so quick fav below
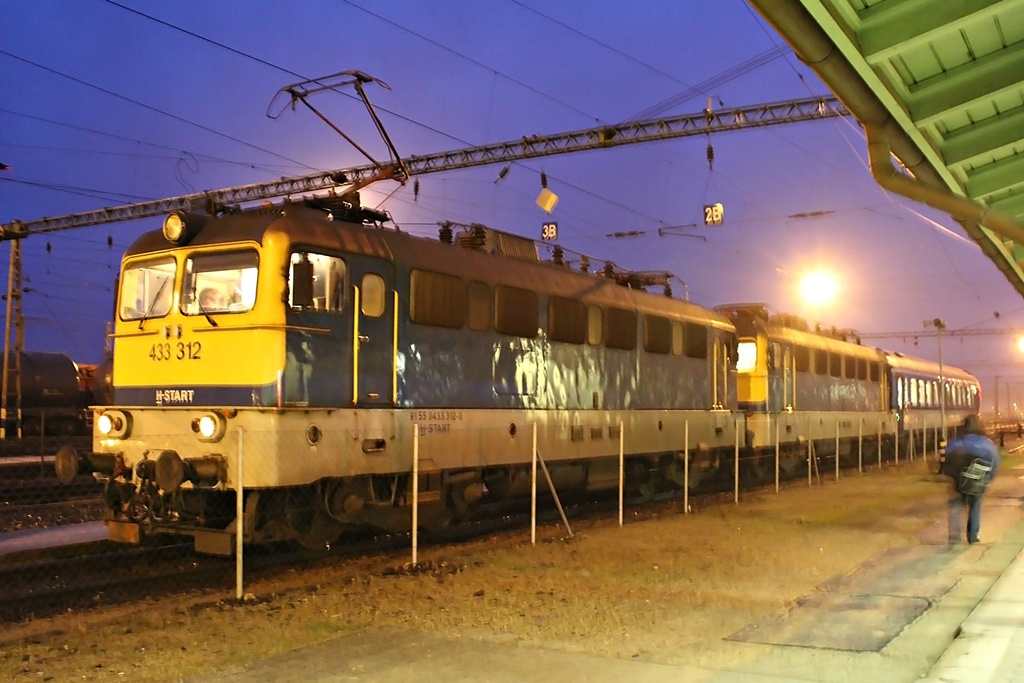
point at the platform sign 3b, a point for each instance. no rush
(549, 231)
(714, 214)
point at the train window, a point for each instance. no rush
(696, 337)
(862, 368)
(595, 325)
(516, 311)
(479, 306)
(567, 320)
(620, 329)
(373, 300)
(747, 356)
(802, 356)
(850, 368)
(912, 399)
(146, 289)
(436, 299)
(775, 356)
(820, 362)
(219, 282)
(657, 334)
(874, 374)
(835, 365)
(317, 282)
(329, 285)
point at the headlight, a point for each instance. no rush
(180, 226)
(115, 424)
(209, 426)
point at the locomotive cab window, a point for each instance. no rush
(802, 356)
(373, 301)
(146, 289)
(317, 282)
(747, 358)
(219, 282)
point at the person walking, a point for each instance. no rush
(970, 460)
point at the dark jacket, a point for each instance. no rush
(964, 450)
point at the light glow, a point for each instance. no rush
(104, 424)
(818, 288)
(207, 426)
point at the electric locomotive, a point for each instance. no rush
(295, 350)
(799, 385)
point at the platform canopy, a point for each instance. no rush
(940, 84)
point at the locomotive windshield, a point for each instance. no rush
(146, 289)
(221, 282)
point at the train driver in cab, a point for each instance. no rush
(212, 299)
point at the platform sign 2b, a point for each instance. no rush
(549, 231)
(714, 214)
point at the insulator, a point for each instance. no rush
(609, 269)
(584, 263)
(110, 241)
(416, 190)
(711, 156)
(445, 233)
(543, 179)
(49, 247)
(557, 256)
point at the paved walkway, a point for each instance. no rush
(990, 646)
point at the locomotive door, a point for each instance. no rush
(720, 372)
(374, 320)
(788, 379)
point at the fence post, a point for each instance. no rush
(239, 518)
(837, 448)
(881, 430)
(533, 490)
(736, 467)
(810, 454)
(777, 456)
(686, 466)
(896, 461)
(860, 445)
(622, 471)
(415, 491)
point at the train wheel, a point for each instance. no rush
(308, 522)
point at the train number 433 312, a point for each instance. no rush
(175, 351)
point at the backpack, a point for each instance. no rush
(974, 478)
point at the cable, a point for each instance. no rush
(471, 60)
(153, 109)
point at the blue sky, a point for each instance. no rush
(109, 103)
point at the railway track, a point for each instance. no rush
(47, 582)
